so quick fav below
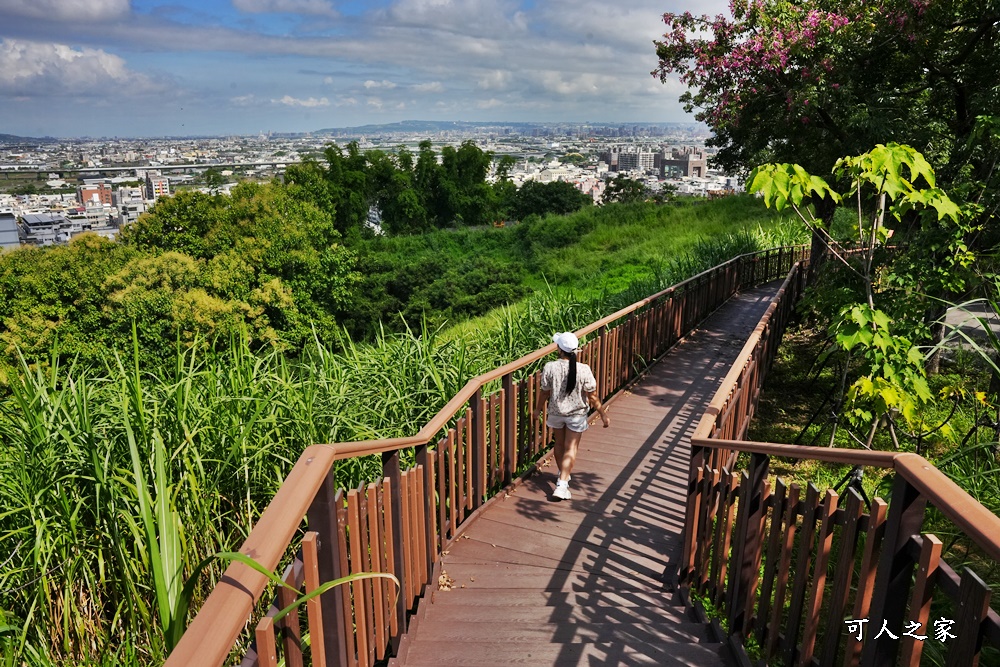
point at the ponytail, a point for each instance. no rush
(571, 377)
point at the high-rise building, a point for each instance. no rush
(156, 185)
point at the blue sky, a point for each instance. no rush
(151, 68)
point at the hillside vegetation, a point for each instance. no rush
(203, 423)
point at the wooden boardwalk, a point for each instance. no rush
(590, 581)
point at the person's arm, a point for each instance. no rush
(595, 403)
(543, 396)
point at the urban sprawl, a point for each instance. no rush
(53, 190)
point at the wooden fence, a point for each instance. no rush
(464, 456)
(807, 577)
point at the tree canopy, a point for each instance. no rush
(811, 80)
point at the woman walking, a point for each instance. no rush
(569, 388)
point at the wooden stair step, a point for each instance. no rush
(602, 613)
(563, 632)
(620, 597)
(484, 654)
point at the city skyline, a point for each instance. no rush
(141, 68)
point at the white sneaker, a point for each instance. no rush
(562, 490)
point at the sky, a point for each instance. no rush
(136, 68)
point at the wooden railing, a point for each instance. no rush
(816, 579)
(468, 452)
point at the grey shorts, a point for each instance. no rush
(575, 423)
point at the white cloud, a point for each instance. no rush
(308, 7)
(347, 102)
(35, 69)
(82, 11)
(244, 100)
(495, 80)
(431, 87)
(480, 18)
(374, 102)
(489, 104)
(379, 84)
(308, 102)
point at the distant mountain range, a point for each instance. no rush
(417, 126)
(14, 139)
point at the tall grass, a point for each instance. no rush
(115, 482)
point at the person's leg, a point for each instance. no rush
(559, 434)
(571, 441)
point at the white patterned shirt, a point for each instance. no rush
(554, 380)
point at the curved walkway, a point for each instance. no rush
(589, 581)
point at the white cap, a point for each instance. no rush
(567, 341)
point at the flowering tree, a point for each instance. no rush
(807, 81)
(811, 80)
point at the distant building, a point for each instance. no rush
(89, 195)
(629, 158)
(156, 186)
(50, 228)
(129, 204)
(9, 235)
(688, 162)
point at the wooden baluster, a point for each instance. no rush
(441, 456)
(314, 608)
(923, 594)
(801, 574)
(973, 607)
(427, 535)
(395, 590)
(478, 457)
(749, 545)
(391, 470)
(842, 578)
(895, 570)
(787, 544)
(453, 483)
(322, 518)
(866, 575)
(729, 502)
(367, 546)
(376, 560)
(289, 628)
(695, 499)
(510, 403)
(267, 650)
(771, 559)
(824, 545)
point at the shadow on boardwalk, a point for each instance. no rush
(591, 581)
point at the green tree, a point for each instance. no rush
(624, 190)
(888, 186)
(559, 197)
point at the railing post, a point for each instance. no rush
(322, 517)
(478, 448)
(510, 428)
(391, 470)
(895, 570)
